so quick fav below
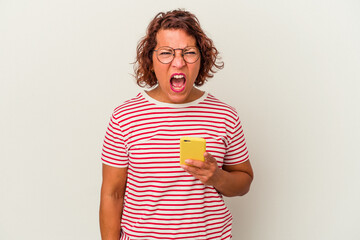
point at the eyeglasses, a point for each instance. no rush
(166, 54)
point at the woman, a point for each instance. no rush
(146, 194)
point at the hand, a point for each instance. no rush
(207, 172)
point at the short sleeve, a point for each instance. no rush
(114, 150)
(236, 151)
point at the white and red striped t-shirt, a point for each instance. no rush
(162, 201)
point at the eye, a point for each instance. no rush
(164, 53)
(190, 51)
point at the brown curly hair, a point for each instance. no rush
(176, 19)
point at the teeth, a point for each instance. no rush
(178, 76)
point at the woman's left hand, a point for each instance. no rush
(207, 172)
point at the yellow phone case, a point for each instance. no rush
(192, 148)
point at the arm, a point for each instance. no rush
(111, 202)
(232, 180)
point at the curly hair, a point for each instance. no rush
(176, 19)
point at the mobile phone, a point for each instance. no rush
(192, 148)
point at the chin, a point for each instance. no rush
(178, 98)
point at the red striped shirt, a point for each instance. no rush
(162, 201)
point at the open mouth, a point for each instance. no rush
(177, 82)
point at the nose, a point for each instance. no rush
(178, 60)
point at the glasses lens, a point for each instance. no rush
(165, 54)
(191, 54)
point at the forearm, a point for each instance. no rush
(111, 207)
(231, 180)
(230, 184)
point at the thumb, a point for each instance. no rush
(208, 157)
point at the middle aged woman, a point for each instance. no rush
(146, 193)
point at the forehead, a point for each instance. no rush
(175, 38)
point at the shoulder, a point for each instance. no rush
(130, 105)
(214, 103)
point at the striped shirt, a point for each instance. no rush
(162, 201)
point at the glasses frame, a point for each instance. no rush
(174, 51)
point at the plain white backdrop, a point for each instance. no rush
(292, 70)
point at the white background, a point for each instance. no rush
(291, 71)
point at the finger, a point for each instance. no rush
(189, 169)
(195, 163)
(195, 171)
